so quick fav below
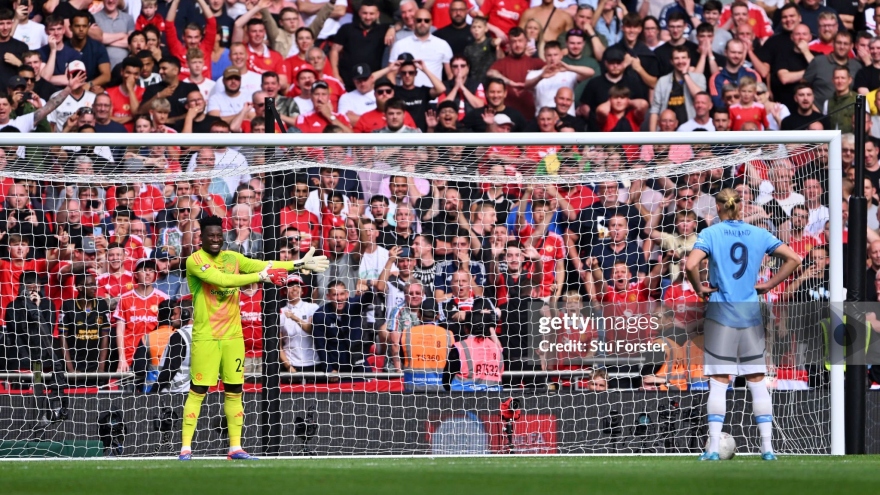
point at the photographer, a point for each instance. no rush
(25, 101)
(175, 361)
(29, 321)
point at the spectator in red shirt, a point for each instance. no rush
(116, 280)
(323, 115)
(512, 70)
(260, 58)
(137, 313)
(331, 214)
(503, 15)
(620, 113)
(126, 97)
(296, 215)
(250, 301)
(194, 36)
(150, 15)
(375, 119)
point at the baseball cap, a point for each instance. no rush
(76, 66)
(145, 263)
(319, 85)
(406, 57)
(429, 309)
(307, 68)
(231, 72)
(16, 82)
(361, 71)
(383, 82)
(502, 119)
(447, 104)
(161, 254)
(614, 55)
(294, 279)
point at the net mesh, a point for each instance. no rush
(557, 242)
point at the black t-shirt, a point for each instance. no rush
(793, 62)
(65, 10)
(664, 56)
(45, 89)
(649, 58)
(14, 47)
(202, 127)
(360, 47)
(592, 223)
(798, 122)
(596, 92)
(867, 77)
(458, 39)
(416, 100)
(112, 127)
(473, 121)
(778, 43)
(676, 101)
(83, 329)
(177, 99)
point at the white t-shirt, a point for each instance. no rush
(296, 343)
(331, 26)
(33, 34)
(227, 105)
(25, 123)
(692, 124)
(305, 105)
(205, 87)
(69, 107)
(818, 217)
(545, 90)
(372, 264)
(251, 82)
(433, 51)
(357, 102)
(227, 160)
(787, 204)
(313, 204)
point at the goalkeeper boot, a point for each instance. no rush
(240, 455)
(185, 455)
(710, 456)
(768, 456)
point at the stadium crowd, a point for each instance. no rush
(94, 272)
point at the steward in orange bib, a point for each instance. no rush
(681, 368)
(476, 363)
(424, 349)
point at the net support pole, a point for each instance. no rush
(855, 382)
(837, 296)
(270, 396)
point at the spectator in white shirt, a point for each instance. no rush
(298, 349)
(228, 103)
(555, 74)
(362, 100)
(422, 45)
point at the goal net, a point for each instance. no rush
(487, 294)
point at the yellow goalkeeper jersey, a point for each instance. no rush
(214, 282)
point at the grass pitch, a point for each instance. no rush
(447, 476)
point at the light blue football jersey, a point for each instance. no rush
(736, 250)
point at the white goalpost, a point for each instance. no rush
(564, 234)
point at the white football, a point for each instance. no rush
(726, 446)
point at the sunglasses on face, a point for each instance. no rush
(408, 72)
(423, 21)
(384, 91)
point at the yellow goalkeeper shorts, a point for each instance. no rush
(211, 359)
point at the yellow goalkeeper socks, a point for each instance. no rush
(191, 410)
(234, 417)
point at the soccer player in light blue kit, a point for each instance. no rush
(734, 329)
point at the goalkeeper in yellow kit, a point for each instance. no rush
(214, 277)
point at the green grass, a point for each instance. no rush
(448, 476)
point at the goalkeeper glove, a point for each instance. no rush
(312, 263)
(277, 276)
